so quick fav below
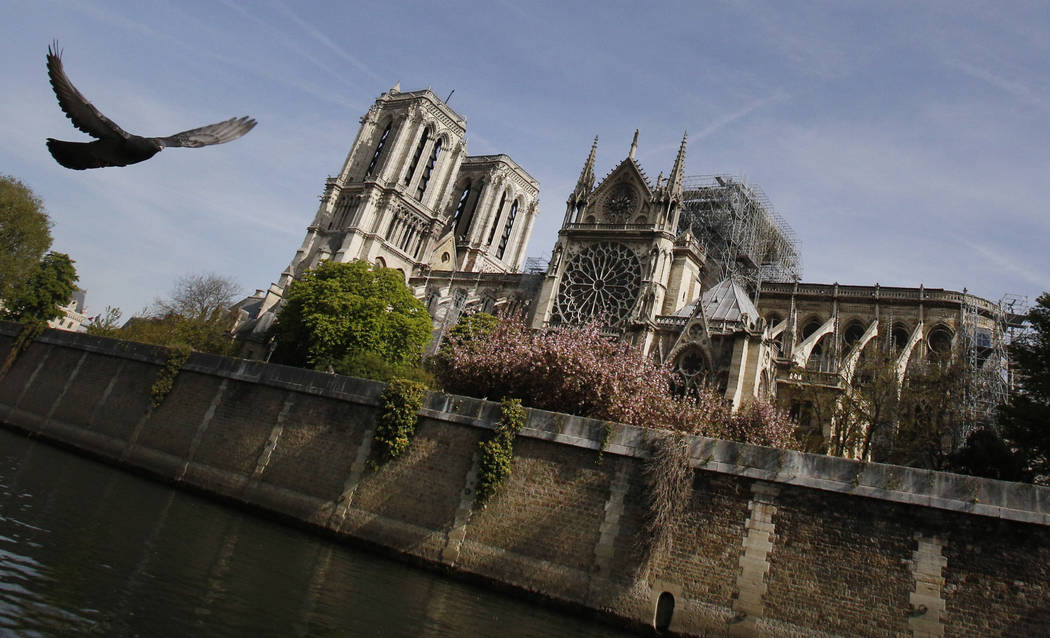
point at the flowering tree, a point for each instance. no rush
(577, 370)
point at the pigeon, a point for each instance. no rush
(115, 146)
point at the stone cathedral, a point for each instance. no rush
(698, 272)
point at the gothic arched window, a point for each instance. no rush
(379, 149)
(474, 207)
(853, 333)
(419, 153)
(939, 343)
(495, 220)
(461, 206)
(425, 179)
(507, 228)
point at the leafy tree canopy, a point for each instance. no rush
(473, 327)
(1025, 419)
(50, 285)
(25, 233)
(340, 308)
(197, 314)
(107, 324)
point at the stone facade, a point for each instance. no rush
(408, 197)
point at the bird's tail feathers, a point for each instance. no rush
(75, 155)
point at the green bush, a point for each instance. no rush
(339, 308)
(177, 356)
(370, 365)
(401, 401)
(498, 452)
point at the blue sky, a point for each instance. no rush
(904, 142)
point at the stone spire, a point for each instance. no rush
(674, 180)
(634, 145)
(586, 181)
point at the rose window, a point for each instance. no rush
(602, 281)
(620, 204)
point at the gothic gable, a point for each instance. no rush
(622, 197)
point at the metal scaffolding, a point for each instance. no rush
(987, 351)
(744, 237)
(1014, 310)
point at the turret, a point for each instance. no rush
(669, 193)
(578, 198)
(674, 180)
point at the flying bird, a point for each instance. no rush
(114, 146)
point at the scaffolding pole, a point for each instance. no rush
(744, 237)
(988, 360)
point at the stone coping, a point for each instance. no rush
(926, 488)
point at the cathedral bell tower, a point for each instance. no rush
(618, 253)
(386, 206)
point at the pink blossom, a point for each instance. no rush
(579, 371)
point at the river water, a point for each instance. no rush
(86, 549)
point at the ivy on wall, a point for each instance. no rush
(401, 401)
(177, 356)
(608, 429)
(498, 451)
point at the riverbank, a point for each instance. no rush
(771, 542)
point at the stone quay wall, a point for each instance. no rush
(771, 542)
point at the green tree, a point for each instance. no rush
(50, 285)
(985, 454)
(339, 309)
(931, 413)
(1024, 420)
(917, 422)
(106, 324)
(197, 313)
(201, 296)
(472, 328)
(25, 233)
(871, 402)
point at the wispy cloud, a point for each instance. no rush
(1002, 260)
(739, 114)
(317, 35)
(1022, 89)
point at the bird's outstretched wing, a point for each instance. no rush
(76, 107)
(218, 133)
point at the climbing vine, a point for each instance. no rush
(498, 451)
(667, 477)
(401, 401)
(177, 356)
(608, 429)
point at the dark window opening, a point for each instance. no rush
(495, 220)
(474, 208)
(379, 150)
(461, 206)
(415, 158)
(425, 179)
(507, 228)
(899, 337)
(853, 333)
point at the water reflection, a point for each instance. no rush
(88, 550)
